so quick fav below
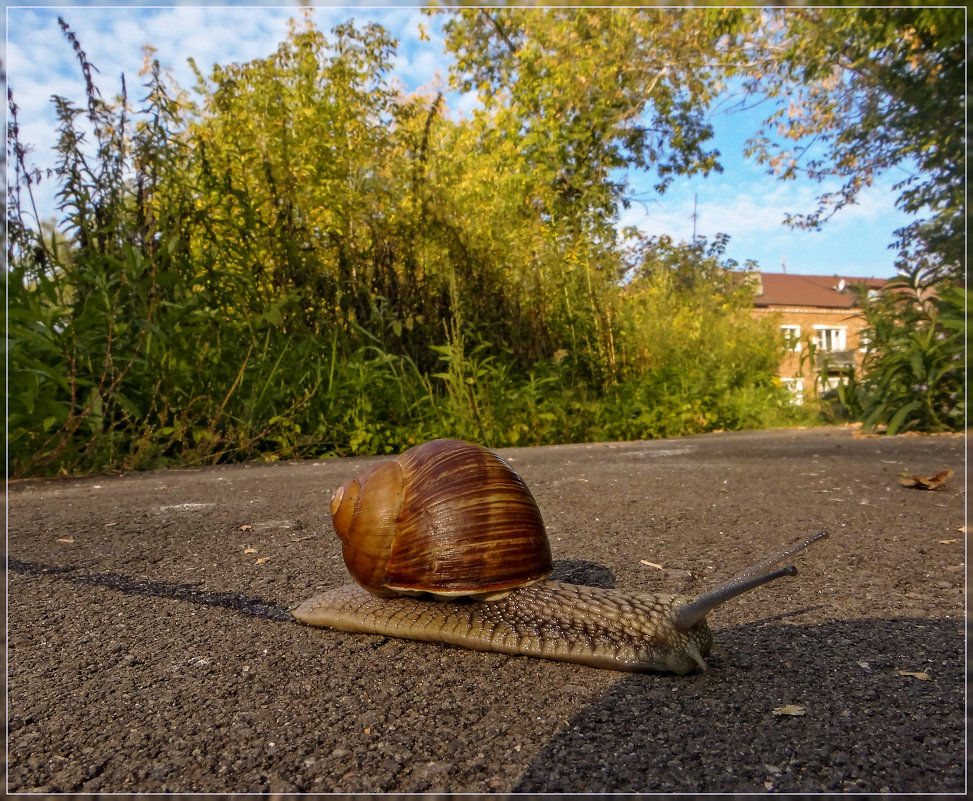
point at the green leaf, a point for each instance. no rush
(901, 417)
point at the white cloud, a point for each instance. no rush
(465, 104)
(752, 212)
(419, 68)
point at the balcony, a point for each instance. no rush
(834, 359)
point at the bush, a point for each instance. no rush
(913, 377)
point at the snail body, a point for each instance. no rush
(550, 619)
(463, 489)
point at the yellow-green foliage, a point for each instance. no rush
(301, 261)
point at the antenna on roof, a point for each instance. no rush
(783, 263)
(841, 285)
(695, 198)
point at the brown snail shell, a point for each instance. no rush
(448, 518)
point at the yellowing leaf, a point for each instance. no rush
(937, 481)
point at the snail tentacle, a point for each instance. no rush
(687, 615)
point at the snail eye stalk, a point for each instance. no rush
(688, 615)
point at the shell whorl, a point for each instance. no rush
(448, 518)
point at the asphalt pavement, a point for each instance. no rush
(150, 649)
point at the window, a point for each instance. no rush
(792, 337)
(829, 338)
(796, 387)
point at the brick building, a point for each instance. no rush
(814, 308)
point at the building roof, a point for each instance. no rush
(820, 291)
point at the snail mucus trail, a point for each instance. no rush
(446, 544)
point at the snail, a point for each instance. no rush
(446, 544)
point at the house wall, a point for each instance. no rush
(800, 373)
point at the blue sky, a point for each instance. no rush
(743, 201)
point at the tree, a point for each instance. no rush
(692, 355)
(586, 92)
(867, 90)
(305, 260)
(577, 96)
(288, 145)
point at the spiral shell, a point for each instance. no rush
(448, 518)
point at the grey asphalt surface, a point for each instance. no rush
(150, 650)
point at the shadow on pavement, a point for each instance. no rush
(798, 723)
(574, 572)
(238, 602)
